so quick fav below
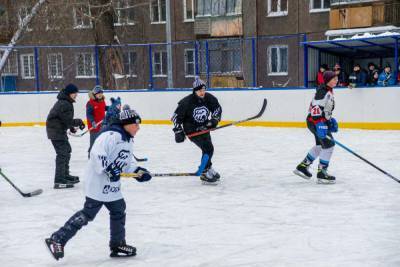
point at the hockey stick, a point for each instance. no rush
(84, 132)
(365, 160)
(31, 194)
(204, 161)
(260, 113)
(139, 159)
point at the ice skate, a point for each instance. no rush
(324, 178)
(302, 171)
(55, 248)
(122, 250)
(210, 176)
(62, 183)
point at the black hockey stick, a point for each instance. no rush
(84, 132)
(260, 113)
(31, 194)
(139, 159)
(365, 160)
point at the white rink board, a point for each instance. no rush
(286, 105)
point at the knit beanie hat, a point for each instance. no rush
(129, 116)
(71, 89)
(198, 84)
(328, 76)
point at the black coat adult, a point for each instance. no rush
(61, 117)
(194, 112)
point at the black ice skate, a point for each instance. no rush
(62, 183)
(210, 176)
(72, 179)
(122, 250)
(56, 249)
(302, 171)
(324, 178)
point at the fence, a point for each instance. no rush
(268, 61)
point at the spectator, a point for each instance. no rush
(358, 78)
(372, 74)
(95, 113)
(112, 115)
(320, 74)
(342, 76)
(386, 78)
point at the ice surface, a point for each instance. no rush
(259, 215)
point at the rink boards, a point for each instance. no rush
(362, 108)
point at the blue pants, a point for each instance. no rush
(88, 213)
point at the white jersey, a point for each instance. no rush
(110, 146)
(322, 105)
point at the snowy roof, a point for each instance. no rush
(359, 45)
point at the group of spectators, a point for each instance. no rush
(373, 76)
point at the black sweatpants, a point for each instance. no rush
(63, 155)
(88, 213)
(205, 144)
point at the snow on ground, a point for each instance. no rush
(259, 215)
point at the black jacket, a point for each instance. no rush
(61, 118)
(193, 112)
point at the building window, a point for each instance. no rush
(82, 17)
(278, 60)
(219, 7)
(55, 66)
(11, 67)
(28, 66)
(23, 12)
(130, 63)
(277, 8)
(225, 57)
(52, 18)
(319, 5)
(188, 10)
(85, 65)
(158, 11)
(160, 64)
(124, 13)
(190, 69)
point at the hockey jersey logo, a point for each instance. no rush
(200, 114)
(110, 189)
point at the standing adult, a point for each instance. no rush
(95, 113)
(59, 120)
(198, 111)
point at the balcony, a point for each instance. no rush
(350, 2)
(364, 14)
(220, 26)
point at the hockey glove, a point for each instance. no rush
(72, 130)
(322, 130)
(113, 172)
(212, 123)
(144, 175)
(81, 125)
(179, 135)
(333, 125)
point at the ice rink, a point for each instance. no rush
(259, 215)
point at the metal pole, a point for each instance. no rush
(196, 57)
(151, 86)
(254, 62)
(96, 54)
(208, 65)
(169, 43)
(306, 61)
(36, 56)
(396, 58)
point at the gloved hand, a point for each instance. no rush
(72, 130)
(322, 130)
(212, 123)
(82, 125)
(144, 175)
(179, 134)
(113, 171)
(333, 125)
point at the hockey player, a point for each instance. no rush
(59, 120)
(321, 124)
(113, 111)
(111, 155)
(198, 111)
(95, 113)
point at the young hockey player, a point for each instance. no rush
(59, 120)
(95, 113)
(321, 124)
(110, 156)
(198, 111)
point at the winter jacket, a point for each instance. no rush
(386, 79)
(193, 112)
(358, 79)
(342, 79)
(113, 112)
(95, 112)
(61, 118)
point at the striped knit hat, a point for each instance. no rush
(198, 84)
(129, 116)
